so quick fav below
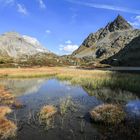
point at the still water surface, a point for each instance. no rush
(75, 124)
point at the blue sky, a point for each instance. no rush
(62, 25)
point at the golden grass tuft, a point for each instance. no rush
(47, 112)
(7, 129)
(108, 113)
(6, 98)
(4, 110)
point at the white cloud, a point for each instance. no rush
(22, 9)
(48, 31)
(136, 21)
(68, 48)
(68, 42)
(104, 6)
(19, 7)
(42, 4)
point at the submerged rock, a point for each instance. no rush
(107, 113)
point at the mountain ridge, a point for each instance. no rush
(107, 41)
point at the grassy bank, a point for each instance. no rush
(90, 79)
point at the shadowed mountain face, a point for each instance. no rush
(128, 56)
(107, 41)
(15, 45)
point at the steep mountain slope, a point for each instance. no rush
(15, 45)
(107, 41)
(128, 56)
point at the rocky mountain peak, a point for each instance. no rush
(15, 45)
(118, 24)
(108, 40)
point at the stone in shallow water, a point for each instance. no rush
(133, 109)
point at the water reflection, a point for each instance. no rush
(76, 124)
(21, 87)
(108, 95)
(133, 109)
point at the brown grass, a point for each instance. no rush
(46, 71)
(91, 79)
(47, 111)
(6, 98)
(108, 113)
(7, 129)
(4, 110)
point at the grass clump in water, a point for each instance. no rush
(4, 110)
(46, 116)
(108, 114)
(7, 128)
(6, 98)
(65, 105)
(47, 111)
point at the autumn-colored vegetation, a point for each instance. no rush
(108, 113)
(47, 112)
(7, 128)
